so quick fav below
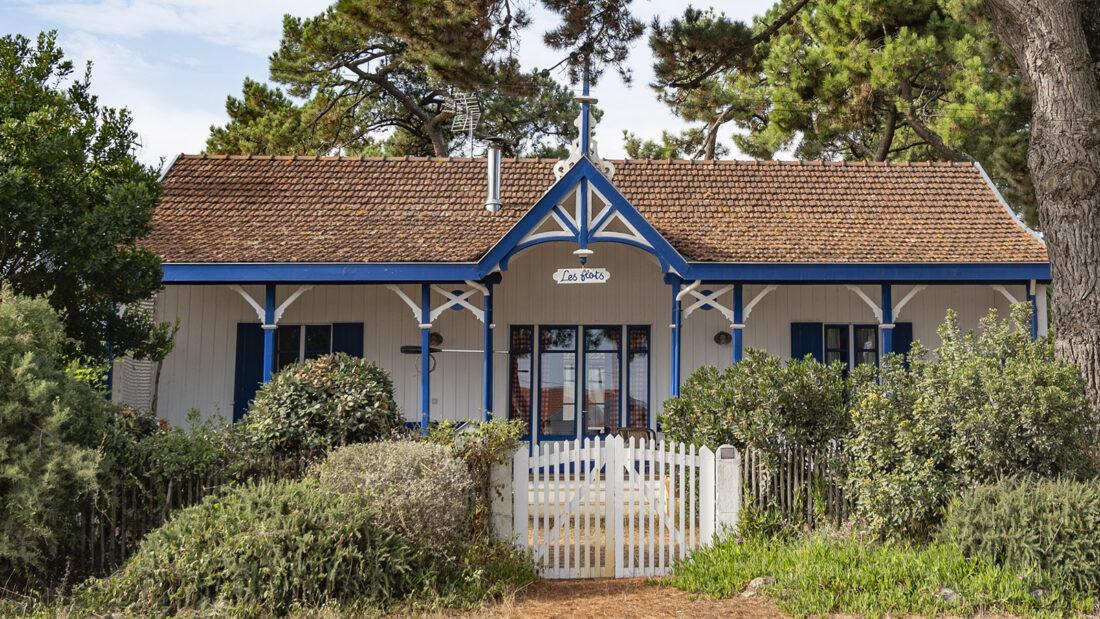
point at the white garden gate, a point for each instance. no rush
(608, 507)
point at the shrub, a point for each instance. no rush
(48, 424)
(266, 548)
(820, 575)
(310, 407)
(990, 405)
(417, 489)
(480, 446)
(760, 402)
(1051, 525)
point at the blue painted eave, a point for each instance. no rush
(319, 273)
(896, 273)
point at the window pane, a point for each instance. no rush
(833, 355)
(557, 393)
(519, 406)
(559, 339)
(318, 340)
(868, 357)
(835, 338)
(603, 338)
(866, 338)
(288, 340)
(637, 415)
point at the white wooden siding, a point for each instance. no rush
(199, 372)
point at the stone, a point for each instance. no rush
(947, 595)
(753, 588)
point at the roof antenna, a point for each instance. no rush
(467, 114)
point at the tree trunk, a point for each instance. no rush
(1047, 39)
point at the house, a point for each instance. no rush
(576, 295)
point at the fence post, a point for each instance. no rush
(500, 493)
(727, 482)
(706, 496)
(520, 476)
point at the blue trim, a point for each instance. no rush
(867, 273)
(569, 239)
(582, 237)
(674, 388)
(487, 355)
(425, 357)
(269, 334)
(314, 273)
(565, 220)
(511, 392)
(887, 318)
(738, 318)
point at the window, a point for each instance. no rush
(637, 377)
(519, 372)
(866, 344)
(557, 381)
(603, 361)
(296, 343)
(836, 343)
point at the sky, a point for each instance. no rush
(173, 62)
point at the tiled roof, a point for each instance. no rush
(333, 209)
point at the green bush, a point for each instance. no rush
(989, 405)
(417, 489)
(267, 549)
(49, 422)
(760, 402)
(819, 575)
(480, 445)
(310, 407)
(1051, 525)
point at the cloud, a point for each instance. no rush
(252, 27)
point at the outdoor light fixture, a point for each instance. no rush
(723, 338)
(435, 339)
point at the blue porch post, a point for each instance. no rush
(674, 387)
(425, 356)
(1033, 301)
(269, 331)
(738, 322)
(887, 320)
(487, 360)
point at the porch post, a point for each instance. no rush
(1032, 301)
(674, 389)
(887, 320)
(269, 331)
(738, 323)
(487, 359)
(425, 356)
(1041, 309)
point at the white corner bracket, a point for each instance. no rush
(875, 309)
(1004, 291)
(460, 299)
(259, 309)
(906, 299)
(758, 298)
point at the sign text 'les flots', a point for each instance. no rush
(581, 276)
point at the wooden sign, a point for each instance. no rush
(581, 276)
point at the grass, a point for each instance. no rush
(820, 574)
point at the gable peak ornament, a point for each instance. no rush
(585, 142)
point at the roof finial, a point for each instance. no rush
(585, 144)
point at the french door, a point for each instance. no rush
(589, 380)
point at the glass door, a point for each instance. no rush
(557, 383)
(602, 379)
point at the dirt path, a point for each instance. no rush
(626, 598)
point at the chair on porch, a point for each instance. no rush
(642, 434)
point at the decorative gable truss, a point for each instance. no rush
(585, 208)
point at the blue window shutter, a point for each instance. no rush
(347, 337)
(249, 371)
(903, 337)
(806, 339)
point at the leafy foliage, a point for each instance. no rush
(48, 421)
(760, 402)
(76, 202)
(418, 489)
(310, 407)
(819, 575)
(265, 549)
(991, 404)
(1052, 525)
(480, 446)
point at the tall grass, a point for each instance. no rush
(819, 574)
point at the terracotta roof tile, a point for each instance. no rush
(418, 209)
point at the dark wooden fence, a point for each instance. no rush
(804, 485)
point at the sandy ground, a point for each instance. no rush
(627, 598)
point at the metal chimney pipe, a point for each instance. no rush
(492, 201)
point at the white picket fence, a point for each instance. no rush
(608, 507)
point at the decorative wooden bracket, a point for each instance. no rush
(453, 300)
(261, 314)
